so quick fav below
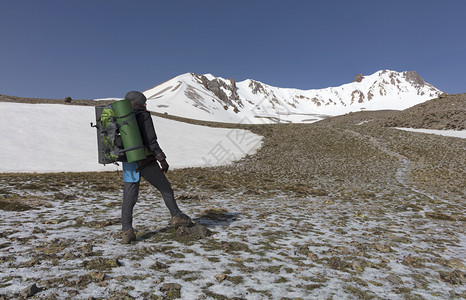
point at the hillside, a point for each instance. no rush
(448, 112)
(445, 113)
(358, 118)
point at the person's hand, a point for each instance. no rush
(164, 165)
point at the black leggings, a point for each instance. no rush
(154, 176)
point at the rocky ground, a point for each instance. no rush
(321, 211)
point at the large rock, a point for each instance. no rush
(158, 266)
(100, 263)
(413, 77)
(197, 230)
(220, 277)
(215, 86)
(456, 277)
(358, 78)
(456, 263)
(30, 291)
(394, 279)
(170, 287)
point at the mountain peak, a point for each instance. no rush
(210, 98)
(413, 77)
(358, 78)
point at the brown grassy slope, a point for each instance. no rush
(357, 118)
(304, 159)
(440, 113)
(15, 99)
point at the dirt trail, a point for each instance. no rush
(405, 165)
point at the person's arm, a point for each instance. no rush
(148, 135)
(149, 138)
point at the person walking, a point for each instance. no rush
(152, 169)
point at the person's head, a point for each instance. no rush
(138, 100)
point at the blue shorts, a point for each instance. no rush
(129, 172)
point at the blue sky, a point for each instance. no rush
(92, 49)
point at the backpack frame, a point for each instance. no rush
(109, 141)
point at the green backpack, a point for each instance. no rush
(115, 131)
(111, 135)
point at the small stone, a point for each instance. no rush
(337, 263)
(384, 260)
(382, 248)
(158, 265)
(79, 220)
(394, 237)
(197, 230)
(170, 287)
(394, 279)
(44, 283)
(30, 291)
(37, 230)
(97, 276)
(68, 255)
(101, 263)
(357, 266)
(31, 263)
(220, 277)
(412, 261)
(455, 277)
(312, 256)
(87, 248)
(456, 264)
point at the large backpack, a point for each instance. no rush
(110, 128)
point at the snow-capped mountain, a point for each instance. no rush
(205, 97)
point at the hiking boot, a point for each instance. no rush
(181, 220)
(128, 236)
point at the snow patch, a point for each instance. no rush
(59, 138)
(451, 133)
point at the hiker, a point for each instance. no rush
(149, 169)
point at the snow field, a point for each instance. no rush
(58, 138)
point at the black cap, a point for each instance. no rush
(136, 96)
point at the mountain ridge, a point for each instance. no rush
(210, 98)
